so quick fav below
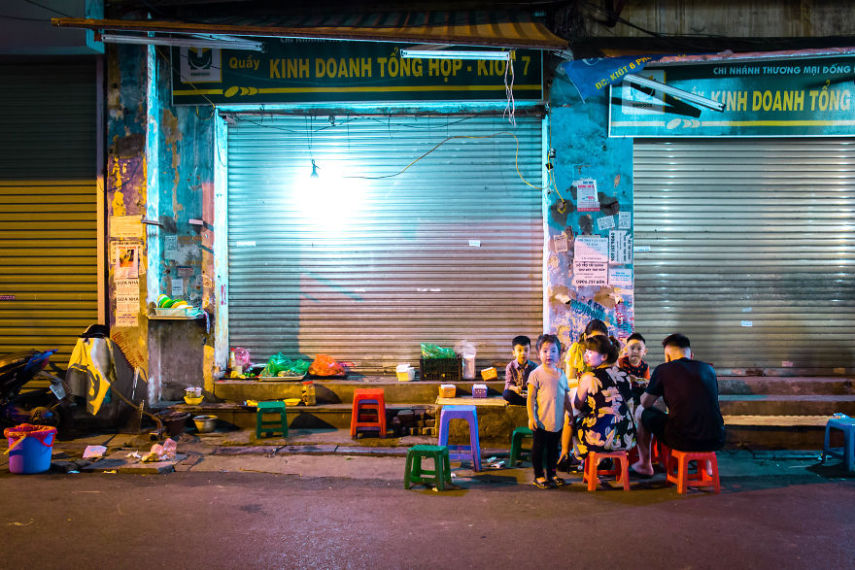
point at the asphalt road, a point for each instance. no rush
(264, 520)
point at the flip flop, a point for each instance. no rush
(541, 484)
(558, 481)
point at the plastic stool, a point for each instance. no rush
(847, 452)
(372, 399)
(517, 437)
(279, 425)
(678, 470)
(439, 477)
(461, 452)
(592, 471)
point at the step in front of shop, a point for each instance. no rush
(341, 391)
(758, 385)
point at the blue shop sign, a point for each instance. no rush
(793, 97)
(308, 71)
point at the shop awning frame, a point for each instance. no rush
(512, 34)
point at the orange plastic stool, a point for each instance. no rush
(368, 400)
(592, 472)
(678, 470)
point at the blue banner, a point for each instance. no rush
(592, 76)
(810, 96)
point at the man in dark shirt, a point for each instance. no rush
(690, 390)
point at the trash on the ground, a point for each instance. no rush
(135, 455)
(492, 459)
(498, 464)
(94, 452)
(161, 452)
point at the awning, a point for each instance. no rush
(506, 30)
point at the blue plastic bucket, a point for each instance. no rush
(30, 448)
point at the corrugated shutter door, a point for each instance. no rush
(366, 269)
(48, 229)
(751, 250)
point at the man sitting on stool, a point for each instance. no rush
(690, 390)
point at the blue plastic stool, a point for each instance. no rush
(471, 452)
(847, 452)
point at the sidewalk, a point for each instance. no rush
(321, 454)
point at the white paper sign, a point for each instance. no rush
(586, 195)
(123, 227)
(127, 302)
(620, 247)
(177, 288)
(606, 223)
(620, 277)
(624, 220)
(170, 247)
(560, 243)
(591, 248)
(590, 273)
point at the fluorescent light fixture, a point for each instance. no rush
(674, 92)
(198, 41)
(455, 54)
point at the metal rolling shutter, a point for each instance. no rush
(751, 250)
(449, 250)
(48, 229)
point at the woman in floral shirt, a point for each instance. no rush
(605, 421)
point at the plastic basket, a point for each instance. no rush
(441, 369)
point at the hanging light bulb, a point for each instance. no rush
(314, 169)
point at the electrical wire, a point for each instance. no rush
(48, 8)
(456, 137)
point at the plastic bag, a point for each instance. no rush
(433, 351)
(467, 350)
(242, 357)
(326, 365)
(280, 363)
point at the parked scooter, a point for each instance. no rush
(50, 405)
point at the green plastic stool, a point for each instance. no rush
(516, 444)
(273, 427)
(438, 477)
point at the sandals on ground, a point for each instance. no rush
(558, 481)
(541, 484)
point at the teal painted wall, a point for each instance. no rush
(579, 136)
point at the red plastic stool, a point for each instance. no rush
(372, 400)
(592, 472)
(678, 470)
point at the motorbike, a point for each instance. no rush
(20, 403)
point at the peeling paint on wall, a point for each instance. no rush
(584, 151)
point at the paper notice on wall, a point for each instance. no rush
(586, 195)
(124, 227)
(606, 223)
(561, 243)
(126, 259)
(620, 277)
(170, 247)
(177, 288)
(624, 220)
(591, 248)
(127, 302)
(620, 247)
(590, 273)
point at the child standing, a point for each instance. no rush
(548, 399)
(517, 371)
(633, 364)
